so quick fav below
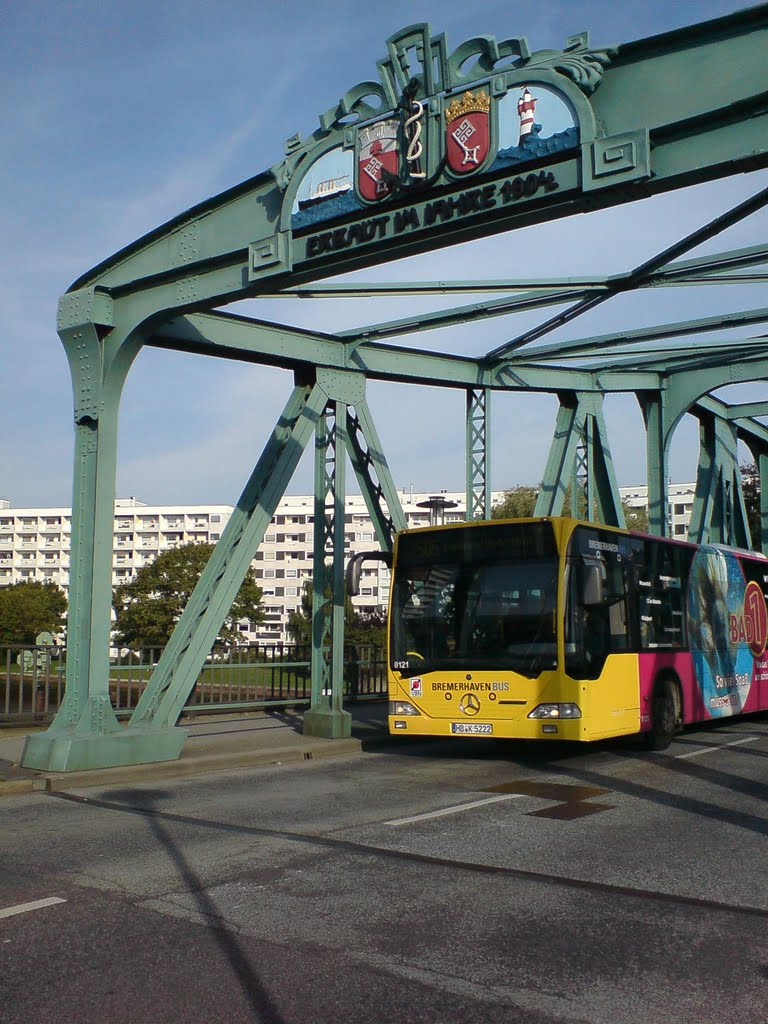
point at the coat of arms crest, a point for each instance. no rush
(377, 158)
(468, 132)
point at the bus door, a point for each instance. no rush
(597, 632)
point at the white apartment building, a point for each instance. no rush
(680, 507)
(35, 543)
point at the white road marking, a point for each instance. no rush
(455, 809)
(23, 908)
(719, 746)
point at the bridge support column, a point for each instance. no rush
(478, 453)
(580, 456)
(657, 461)
(761, 460)
(85, 732)
(719, 514)
(326, 716)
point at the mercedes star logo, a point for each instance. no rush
(469, 704)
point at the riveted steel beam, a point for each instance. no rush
(719, 514)
(373, 474)
(370, 289)
(478, 435)
(460, 315)
(679, 329)
(183, 658)
(749, 430)
(657, 440)
(665, 359)
(635, 278)
(745, 410)
(580, 455)
(326, 716)
(237, 337)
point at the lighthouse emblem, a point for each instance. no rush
(525, 108)
(468, 132)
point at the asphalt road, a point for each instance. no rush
(438, 883)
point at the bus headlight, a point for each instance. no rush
(556, 711)
(402, 707)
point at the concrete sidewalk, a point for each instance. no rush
(214, 743)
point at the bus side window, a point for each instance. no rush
(617, 620)
(660, 597)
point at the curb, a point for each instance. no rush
(47, 782)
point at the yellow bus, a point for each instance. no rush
(553, 628)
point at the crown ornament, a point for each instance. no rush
(468, 103)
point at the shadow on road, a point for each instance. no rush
(264, 1009)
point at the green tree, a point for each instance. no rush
(360, 627)
(29, 608)
(636, 518)
(300, 620)
(517, 503)
(364, 627)
(149, 606)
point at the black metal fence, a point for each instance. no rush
(238, 678)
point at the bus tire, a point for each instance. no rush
(666, 714)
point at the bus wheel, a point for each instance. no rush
(666, 715)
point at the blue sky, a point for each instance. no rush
(115, 117)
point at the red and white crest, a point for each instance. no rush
(468, 132)
(377, 156)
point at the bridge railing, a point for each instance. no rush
(232, 679)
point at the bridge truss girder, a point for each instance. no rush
(164, 291)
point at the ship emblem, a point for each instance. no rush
(468, 132)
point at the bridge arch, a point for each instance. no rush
(468, 180)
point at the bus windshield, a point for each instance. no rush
(476, 598)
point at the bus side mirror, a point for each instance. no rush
(591, 585)
(355, 568)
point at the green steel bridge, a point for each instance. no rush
(441, 146)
